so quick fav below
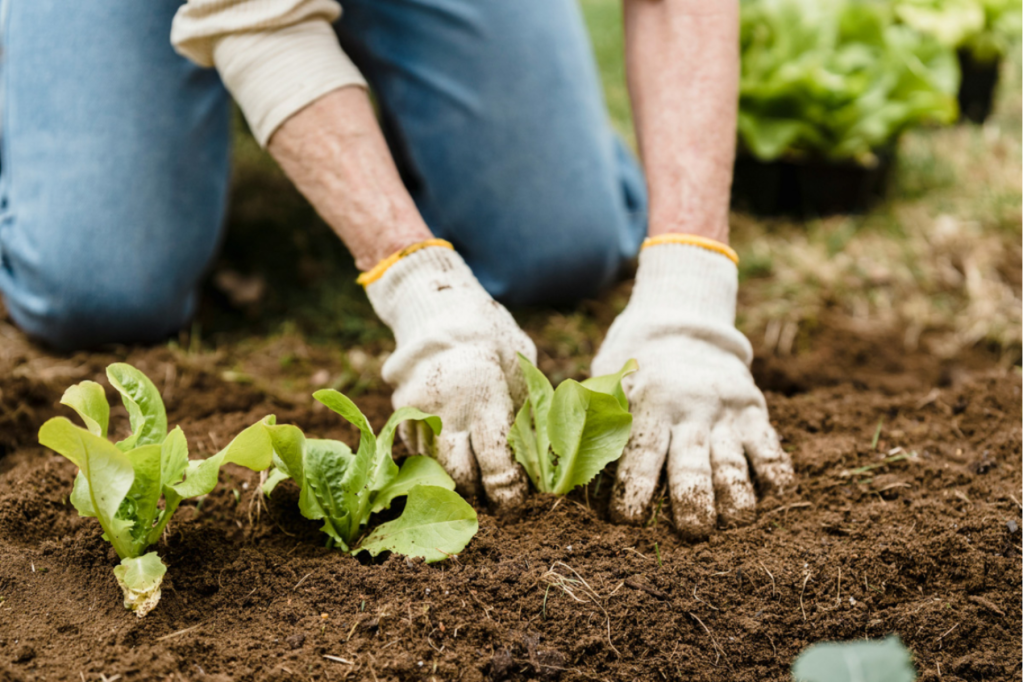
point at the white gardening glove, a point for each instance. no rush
(693, 399)
(456, 358)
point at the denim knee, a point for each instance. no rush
(84, 312)
(575, 259)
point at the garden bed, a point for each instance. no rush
(927, 547)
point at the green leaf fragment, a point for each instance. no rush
(273, 480)
(863, 661)
(140, 579)
(436, 524)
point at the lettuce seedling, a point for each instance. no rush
(343, 489)
(121, 484)
(565, 437)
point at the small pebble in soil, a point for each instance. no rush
(1013, 527)
(24, 654)
(296, 640)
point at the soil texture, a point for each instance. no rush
(905, 520)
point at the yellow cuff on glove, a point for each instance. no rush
(378, 270)
(694, 240)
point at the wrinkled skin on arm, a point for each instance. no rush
(697, 411)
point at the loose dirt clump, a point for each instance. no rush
(916, 534)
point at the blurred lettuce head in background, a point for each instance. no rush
(837, 79)
(987, 29)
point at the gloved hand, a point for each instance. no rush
(456, 358)
(693, 399)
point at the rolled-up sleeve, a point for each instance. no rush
(275, 56)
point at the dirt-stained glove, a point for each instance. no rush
(456, 358)
(693, 399)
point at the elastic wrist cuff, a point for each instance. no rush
(378, 270)
(694, 240)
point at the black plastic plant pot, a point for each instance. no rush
(977, 87)
(808, 188)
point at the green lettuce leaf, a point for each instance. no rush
(611, 384)
(106, 476)
(252, 448)
(436, 524)
(89, 400)
(146, 412)
(416, 470)
(145, 490)
(587, 431)
(386, 469)
(327, 465)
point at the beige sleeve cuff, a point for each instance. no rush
(273, 74)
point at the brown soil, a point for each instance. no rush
(927, 547)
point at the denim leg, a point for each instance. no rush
(114, 173)
(496, 117)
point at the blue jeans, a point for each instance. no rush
(116, 155)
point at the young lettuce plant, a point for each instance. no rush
(565, 437)
(343, 489)
(121, 484)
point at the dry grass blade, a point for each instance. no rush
(794, 505)
(338, 659)
(806, 579)
(178, 633)
(774, 587)
(717, 647)
(573, 587)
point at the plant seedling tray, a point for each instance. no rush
(977, 87)
(808, 188)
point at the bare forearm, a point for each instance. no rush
(335, 154)
(682, 59)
